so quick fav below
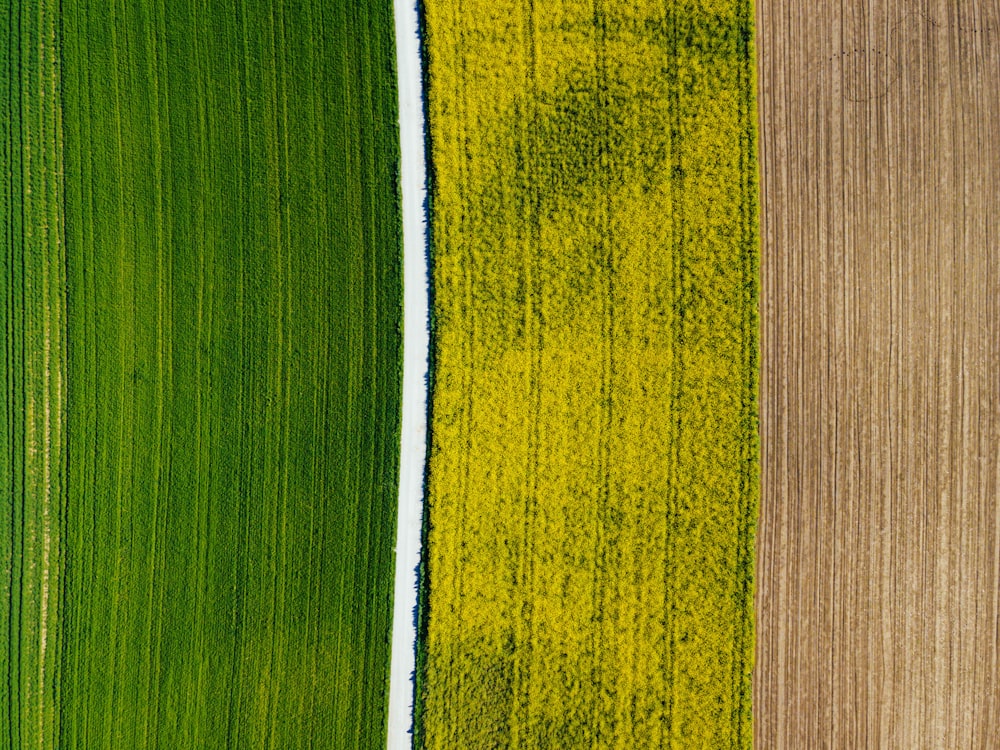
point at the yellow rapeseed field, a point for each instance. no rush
(592, 486)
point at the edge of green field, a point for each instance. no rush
(32, 466)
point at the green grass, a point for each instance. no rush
(232, 259)
(33, 407)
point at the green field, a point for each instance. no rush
(202, 310)
(32, 466)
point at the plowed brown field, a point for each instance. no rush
(878, 557)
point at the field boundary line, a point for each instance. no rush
(416, 341)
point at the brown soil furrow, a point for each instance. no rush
(878, 550)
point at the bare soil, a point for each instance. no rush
(878, 571)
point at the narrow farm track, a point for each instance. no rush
(878, 593)
(592, 484)
(32, 469)
(203, 381)
(416, 351)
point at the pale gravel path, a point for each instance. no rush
(416, 340)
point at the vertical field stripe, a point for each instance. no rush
(593, 469)
(32, 471)
(212, 564)
(201, 301)
(416, 340)
(879, 544)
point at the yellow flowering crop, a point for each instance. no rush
(592, 486)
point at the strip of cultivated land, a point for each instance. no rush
(593, 471)
(879, 544)
(33, 315)
(232, 297)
